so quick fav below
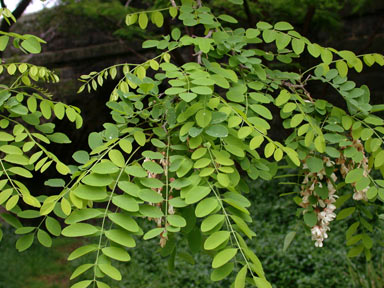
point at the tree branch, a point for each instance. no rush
(251, 20)
(4, 26)
(308, 18)
(3, 4)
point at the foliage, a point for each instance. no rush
(185, 137)
(371, 276)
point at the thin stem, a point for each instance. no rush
(10, 180)
(167, 178)
(107, 210)
(231, 229)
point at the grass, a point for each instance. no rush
(38, 267)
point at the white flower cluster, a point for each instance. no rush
(346, 167)
(324, 208)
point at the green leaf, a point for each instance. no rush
(240, 277)
(102, 285)
(12, 202)
(143, 20)
(151, 183)
(81, 251)
(124, 221)
(139, 137)
(283, 26)
(129, 188)
(298, 46)
(176, 220)
(110, 271)
(315, 164)
(31, 45)
(82, 284)
(261, 282)
(45, 107)
(222, 272)
(342, 68)
(90, 192)
(21, 172)
(116, 253)
(83, 214)
(345, 213)
(44, 238)
(256, 142)
(202, 90)
(121, 237)
(262, 111)
(211, 222)
(80, 270)
(153, 233)
(126, 203)
(372, 193)
(310, 218)
(188, 97)
(150, 196)
(4, 136)
(106, 167)
(263, 25)
(326, 56)
(97, 180)
(79, 230)
(282, 40)
(157, 18)
(379, 159)
(288, 239)
(206, 207)
(65, 206)
(354, 175)
(3, 42)
(216, 239)
(237, 2)
(203, 118)
(228, 18)
(24, 242)
(53, 226)
(219, 131)
(116, 157)
(196, 194)
(82, 157)
(314, 49)
(355, 251)
(58, 109)
(223, 179)
(223, 257)
(283, 98)
(61, 168)
(59, 137)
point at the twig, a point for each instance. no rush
(293, 87)
(308, 18)
(198, 54)
(247, 10)
(127, 3)
(173, 3)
